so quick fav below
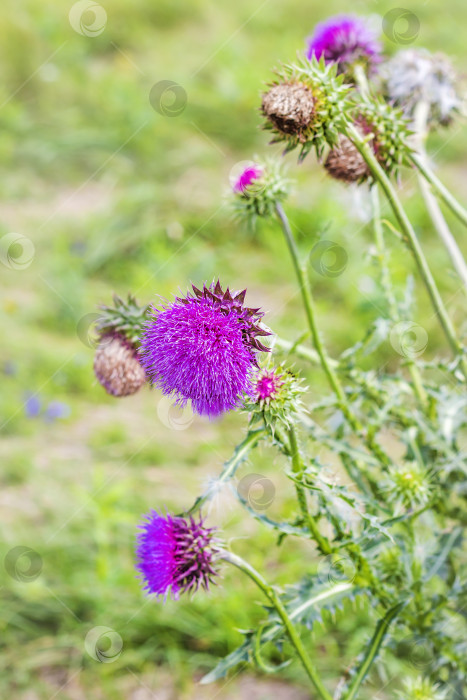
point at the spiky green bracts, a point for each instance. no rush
(305, 107)
(116, 362)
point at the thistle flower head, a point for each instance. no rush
(289, 105)
(175, 555)
(203, 347)
(305, 106)
(415, 75)
(345, 40)
(277, 397)
(116, 362)
(344, 162)
(257, 188)
(409, 484)
(117, 366)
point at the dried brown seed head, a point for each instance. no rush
(344, 162)
(117, 367)
(289, 107)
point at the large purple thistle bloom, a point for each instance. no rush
(175, 555)
(203, 348)
(346, 40)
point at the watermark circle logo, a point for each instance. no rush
(336, 569)
(418, 652)
(238, 175)
(257, 490)
(408, 339)
(172, 416)
(401, 26)
(88, 18)
(328, 259)
(168, 98)
(23, 564)
(16, 251)
(87, 332)
(103, 644)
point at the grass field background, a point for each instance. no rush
(115, 196)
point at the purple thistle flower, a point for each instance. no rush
(249, 174)
(346, 40)
(203, 348)
(175, 555)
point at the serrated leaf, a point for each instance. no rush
(305, 602)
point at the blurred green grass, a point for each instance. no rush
(115, 196)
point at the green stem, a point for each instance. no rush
(362, 81)
(309, 309)
(298, 468)
(411, 240)
(371, 653)
(388, 290)
(292, 633)
(230, 467)
(444, 194)
(326, 362)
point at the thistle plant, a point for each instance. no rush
(387, 525)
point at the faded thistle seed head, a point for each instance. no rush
(345, 163)
(276, 397)
(289, 107)
(257, 188)
(413, 76)
(116, 362)
(306, 106)
(117, 367)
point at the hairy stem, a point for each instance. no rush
(292, 633)
(298, 469)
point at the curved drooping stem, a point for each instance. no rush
(292, 633)
(451, 202)
(411, 241)
(433, 208)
